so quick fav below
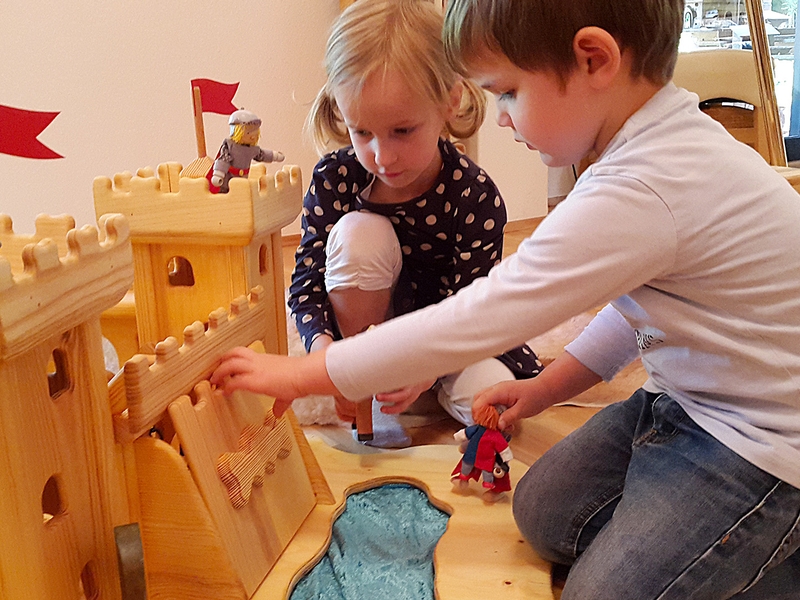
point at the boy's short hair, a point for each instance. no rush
(537, 35)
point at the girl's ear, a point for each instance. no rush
(455, 100)
(598, 55)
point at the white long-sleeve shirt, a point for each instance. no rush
(695, 240)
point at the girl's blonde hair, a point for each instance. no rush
(404, 36)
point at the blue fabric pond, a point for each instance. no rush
(381, 547)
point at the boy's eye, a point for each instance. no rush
(403, 130)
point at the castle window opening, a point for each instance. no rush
(180, 272)
(57, 374)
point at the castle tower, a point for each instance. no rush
(194, 250)
(60, 490)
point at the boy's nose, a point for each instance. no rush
(503, 120)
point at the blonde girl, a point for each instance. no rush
(397, 218)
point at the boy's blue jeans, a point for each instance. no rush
(644, 504)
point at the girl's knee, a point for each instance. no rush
(457, 391)
(362, 251)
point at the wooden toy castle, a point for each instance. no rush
(60, 495)
(154, 477)
(194, 251)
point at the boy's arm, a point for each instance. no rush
(564, 378)
(282, 377)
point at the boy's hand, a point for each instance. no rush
(518, 396)
(564, 378)
(270, 374)
(397, 401)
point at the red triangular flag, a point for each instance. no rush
(216, 97)
(19, 129)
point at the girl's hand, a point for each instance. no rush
(397, 401)
(518, 396)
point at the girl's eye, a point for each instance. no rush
(509, 95)
(359, 132)
(404, 130)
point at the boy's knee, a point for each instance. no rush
(363, 252)
(539, 525)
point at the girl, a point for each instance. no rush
(398, 219)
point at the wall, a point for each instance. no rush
(519, 173)
(118, 73)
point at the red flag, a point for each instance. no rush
(216, 97)
(19, 129)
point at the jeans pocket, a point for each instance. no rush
(665, 417)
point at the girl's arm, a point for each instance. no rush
(308, 298)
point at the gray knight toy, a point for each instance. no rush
(238, 151)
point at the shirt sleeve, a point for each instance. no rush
(606, 345)
(264, 156)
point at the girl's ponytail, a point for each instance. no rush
(471, 113)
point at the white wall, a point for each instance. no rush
(519, 173)
(119, 74)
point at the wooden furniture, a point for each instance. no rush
(194, 250)
(726, 83)
(60, 490)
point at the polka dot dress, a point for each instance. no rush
(449, 236)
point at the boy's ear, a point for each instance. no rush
(598, 54)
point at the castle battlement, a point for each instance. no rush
(165, 206)
(47, 226)
(54, 293)
(152, 383)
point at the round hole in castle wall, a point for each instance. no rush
(52, 499)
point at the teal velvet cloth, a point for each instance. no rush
(381, 547)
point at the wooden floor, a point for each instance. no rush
(427, 423)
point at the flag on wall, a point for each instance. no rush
(19, 129)
(216, 97)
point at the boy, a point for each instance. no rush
(690, 488)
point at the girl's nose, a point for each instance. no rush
(385, 155)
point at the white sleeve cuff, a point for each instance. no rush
(606, 345)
